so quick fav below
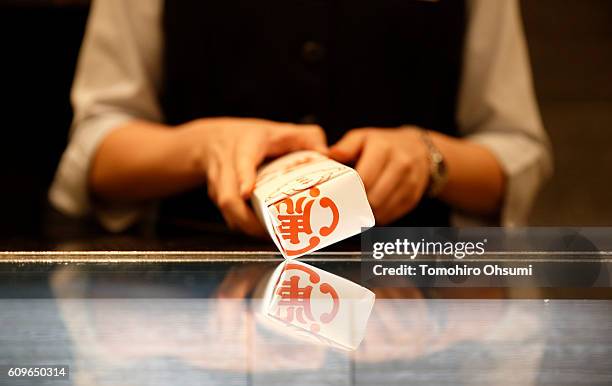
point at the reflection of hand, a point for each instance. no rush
(219, 333)
(398, 327)
(457, 326)
(404, 325)
(232, 323)
(240, 281)
(229, 150)
(393, 164)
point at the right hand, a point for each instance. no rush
(229, 151)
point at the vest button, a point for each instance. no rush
(313, 52)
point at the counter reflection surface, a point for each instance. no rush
(187, 319)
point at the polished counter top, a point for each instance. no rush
(146, 318)
(184, 309)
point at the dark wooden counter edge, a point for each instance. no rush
(271, 256)
(163, 256)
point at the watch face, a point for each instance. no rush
(438, 173)
(437, 158)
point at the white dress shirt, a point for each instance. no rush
(119, 74)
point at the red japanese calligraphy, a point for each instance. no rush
(296, 219)
(295, 300)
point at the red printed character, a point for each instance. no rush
(296, 220)
(295, 300)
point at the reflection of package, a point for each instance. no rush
(307, 202)
(316, 305)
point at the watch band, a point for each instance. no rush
(437, 166)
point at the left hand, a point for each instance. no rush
(393, 164)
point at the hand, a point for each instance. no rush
(394, 333)
(393, 164)
(229, 150)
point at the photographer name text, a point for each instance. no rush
(453, 270)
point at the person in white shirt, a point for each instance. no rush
(126, 151)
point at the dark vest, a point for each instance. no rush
(340, 63)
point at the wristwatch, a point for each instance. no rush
(438, 173)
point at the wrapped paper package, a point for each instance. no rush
(308, 201)
(306, 302)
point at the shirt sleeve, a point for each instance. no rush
(117, 78)
(497, 106)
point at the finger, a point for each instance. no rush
(389, 181)
(239, 282)
(227, 192)
(247, 221)
(372, 162)
(392, 211)
(239, 216)
(402, 201)
(212, 179)
(234, 209)
(224, 194)
(347, 149)
(250, 152)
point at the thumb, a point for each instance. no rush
(315, 139)
(347, 149)
(297, 137)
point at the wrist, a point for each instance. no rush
(189, 142)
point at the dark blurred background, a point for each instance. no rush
(570, 42)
